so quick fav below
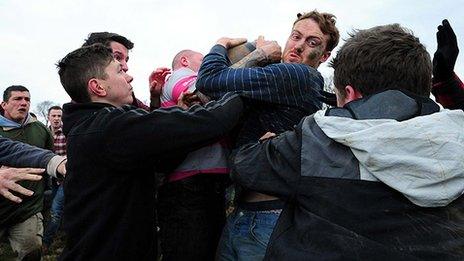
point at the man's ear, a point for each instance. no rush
(3, 104)
(94, 87)
(325, 56)
(351, 94)
(184, 61)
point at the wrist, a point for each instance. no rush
(443, 77)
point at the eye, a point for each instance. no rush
(313, 42)
(118, 57)
(295, 36)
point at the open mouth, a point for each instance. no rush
(294, 55)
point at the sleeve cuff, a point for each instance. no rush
(53, 165)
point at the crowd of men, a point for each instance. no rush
(235, 159)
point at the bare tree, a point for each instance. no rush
(42, 109)
(329, 84)
(328, 87)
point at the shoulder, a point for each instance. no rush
(37, 125)
(296, 68)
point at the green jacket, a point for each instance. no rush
(32, 132)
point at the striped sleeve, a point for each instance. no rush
(281, 83)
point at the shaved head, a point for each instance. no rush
(187, 58)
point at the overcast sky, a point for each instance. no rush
(37, 33)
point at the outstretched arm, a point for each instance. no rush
(17, 154)
(135, 135)
(271, 166)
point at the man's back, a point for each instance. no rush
(339, 205)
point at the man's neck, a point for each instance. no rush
(20, 122)
(7, 116)
(55, 129)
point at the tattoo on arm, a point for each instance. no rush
(256, 58)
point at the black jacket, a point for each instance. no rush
(113, 154)
(330, 212)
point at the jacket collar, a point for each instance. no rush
(390, 104)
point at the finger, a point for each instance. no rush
(31, 170)
(159, 69)
(237, 41)
(449, 31)
(8, 195)
(440, 36)
(266, 136)
(153, 84)
(20, 189)
(31, 177)
(446, 24)
(162, 70)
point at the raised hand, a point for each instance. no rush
(272, 49)
(447, 52)
(156, 82)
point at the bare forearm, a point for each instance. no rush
(254, 59)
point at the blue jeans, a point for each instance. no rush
(56, 212)
(246, 235)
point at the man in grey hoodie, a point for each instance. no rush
(380, 176)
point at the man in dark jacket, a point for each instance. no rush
(378, 178)
(113, 152)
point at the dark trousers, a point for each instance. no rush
(191, 216)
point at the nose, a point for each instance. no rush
(129, 78)
(124, 65)
(299, 45)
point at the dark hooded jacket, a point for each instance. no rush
(380, 179)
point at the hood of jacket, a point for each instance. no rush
(8, 124)
(404, 141)
(73, 113)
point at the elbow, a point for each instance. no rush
(200, 84)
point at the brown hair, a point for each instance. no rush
(81, 65)
(381, 58)
(326, 22)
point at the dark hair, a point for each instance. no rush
(326, 23)
(13, 88)
(106, 38)
(56, 107)
(81, 65)
(381, 58)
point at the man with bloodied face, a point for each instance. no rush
(279, 95)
